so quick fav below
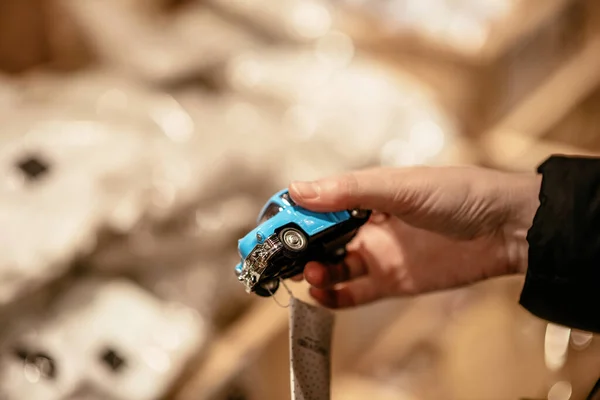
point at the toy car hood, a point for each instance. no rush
(254, 237)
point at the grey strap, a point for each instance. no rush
(311, 331)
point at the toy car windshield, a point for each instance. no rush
(287, 237)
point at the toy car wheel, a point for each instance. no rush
(360, 214)
(267, 289)
(293, 239)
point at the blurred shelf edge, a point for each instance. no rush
(516, 142)
(564, 90)
(525, 19)
(514, 151)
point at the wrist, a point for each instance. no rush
(522, 199)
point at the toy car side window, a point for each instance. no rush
(287, 199)
(271, 210)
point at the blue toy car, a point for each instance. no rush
(287, 237)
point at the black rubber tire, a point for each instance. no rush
(264, 292)
(299, 233)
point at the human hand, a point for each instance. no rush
(432, 228)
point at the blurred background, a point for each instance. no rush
(140, 138)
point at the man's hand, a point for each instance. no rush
(432, 229)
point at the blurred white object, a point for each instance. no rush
(556, 346)
(154, 49)
(152, 340)
(55, 179)
(113, 336)
(84, 156)
(252, 137)
(161, 127)
(46, 370)
(296, 20)
(363, 112)
(560, 391)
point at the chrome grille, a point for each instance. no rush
(258, 260)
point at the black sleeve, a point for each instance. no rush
(562, 284)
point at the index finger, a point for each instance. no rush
(370, 189)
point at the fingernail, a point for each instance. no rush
(306, 190)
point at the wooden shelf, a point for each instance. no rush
(529, 17)
(515, 141)
(514, 151)
(525, 19)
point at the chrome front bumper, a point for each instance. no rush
(257, 262)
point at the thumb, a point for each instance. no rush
(372, 189)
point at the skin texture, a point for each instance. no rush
(432, 228)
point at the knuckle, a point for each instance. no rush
(349, 184)
(349, 189)
(393, 277)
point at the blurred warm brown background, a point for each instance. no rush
(160, 127)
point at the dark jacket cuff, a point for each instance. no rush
(563, 277)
